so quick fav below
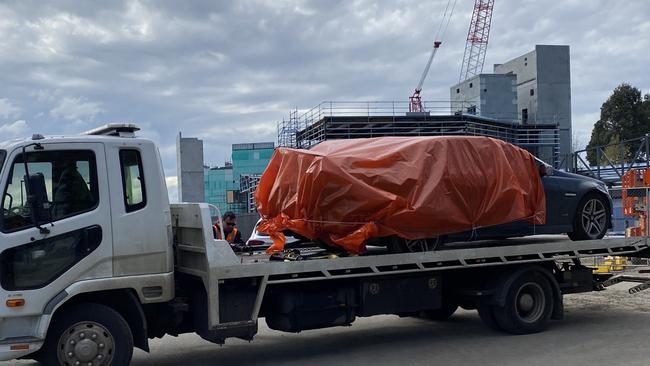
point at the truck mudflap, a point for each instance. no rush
(245, 330)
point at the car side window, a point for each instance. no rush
(70, 180)
(133, 184)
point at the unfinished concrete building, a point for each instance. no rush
(345, 120)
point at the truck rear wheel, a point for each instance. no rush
(528, 305)
(88, 334)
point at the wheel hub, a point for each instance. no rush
(87, 344)
(86, 350)
(530, 302)
(526, 302)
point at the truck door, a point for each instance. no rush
(76, 242)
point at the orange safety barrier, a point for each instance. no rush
(636, 205)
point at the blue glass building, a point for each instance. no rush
(222, 184)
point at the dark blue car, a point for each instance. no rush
(577, 205)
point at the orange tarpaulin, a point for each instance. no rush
(343, 192)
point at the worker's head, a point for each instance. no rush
(228, 222)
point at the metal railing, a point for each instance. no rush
(612, 161)
(299, 121)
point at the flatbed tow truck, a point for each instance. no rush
(85, 277)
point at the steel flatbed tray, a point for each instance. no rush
(199, 254)
(486, 253)
(558, 242)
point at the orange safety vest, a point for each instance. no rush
(229, 238)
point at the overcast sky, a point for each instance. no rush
(226, 72)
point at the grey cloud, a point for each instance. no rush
(226, 71)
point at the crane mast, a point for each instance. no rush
(477, 39)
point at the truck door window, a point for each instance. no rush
(70, 181)
(135, 194)
(38, 263)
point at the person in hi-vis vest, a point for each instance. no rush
(233, 236)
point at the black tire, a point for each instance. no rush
(442, 313)
(528, 305)
(591, 219)
(401, 245)
(486, 314)
(92, 324)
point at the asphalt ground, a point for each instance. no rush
(610, 327)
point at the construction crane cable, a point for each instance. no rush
(448, 20)
(443, 22)
(415, 102)
(442, 19)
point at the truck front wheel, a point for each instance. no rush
(88, 334)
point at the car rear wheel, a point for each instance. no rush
(401, 245)
(591, 218)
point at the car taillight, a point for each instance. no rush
(254, 243)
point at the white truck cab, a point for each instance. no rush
(79, 214)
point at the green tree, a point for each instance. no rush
(624, 116)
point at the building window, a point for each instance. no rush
(524, 115)
(485, 90)
(256, 155)
(532, 92)
(457, 90)
(135, 194)
(471, 109)
(470, 85)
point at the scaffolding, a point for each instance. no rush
(248, 185)
(287, 130)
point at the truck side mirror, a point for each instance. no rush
(37, 198)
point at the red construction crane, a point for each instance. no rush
(477, 39)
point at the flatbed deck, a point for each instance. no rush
(519, 250)
(199, 254)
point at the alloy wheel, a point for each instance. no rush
(594, 217)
